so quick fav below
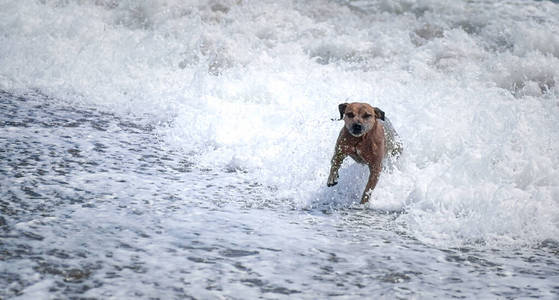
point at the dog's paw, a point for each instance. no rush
(366, 196)
(332, 180)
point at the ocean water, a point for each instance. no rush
(180, 149)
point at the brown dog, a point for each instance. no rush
(362, 138)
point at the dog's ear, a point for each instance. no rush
(379, 114)
(341, 108)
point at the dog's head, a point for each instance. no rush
(359, 117)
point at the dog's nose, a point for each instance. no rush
(356, 128)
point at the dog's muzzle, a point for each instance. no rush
(356, 129)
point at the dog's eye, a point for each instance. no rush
(350, 115)
(366, 116)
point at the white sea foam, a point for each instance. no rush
(471, 87)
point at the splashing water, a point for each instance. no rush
(160, 112)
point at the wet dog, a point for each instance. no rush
(364, 139)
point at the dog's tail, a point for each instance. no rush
(393, 142)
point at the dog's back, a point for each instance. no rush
(393, 143)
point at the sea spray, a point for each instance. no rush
(251, 87)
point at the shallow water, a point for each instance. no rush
(95, 206)
(170, 149)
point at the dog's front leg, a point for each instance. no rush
(336, 162)
(373, 179)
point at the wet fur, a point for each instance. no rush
(363, 139)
